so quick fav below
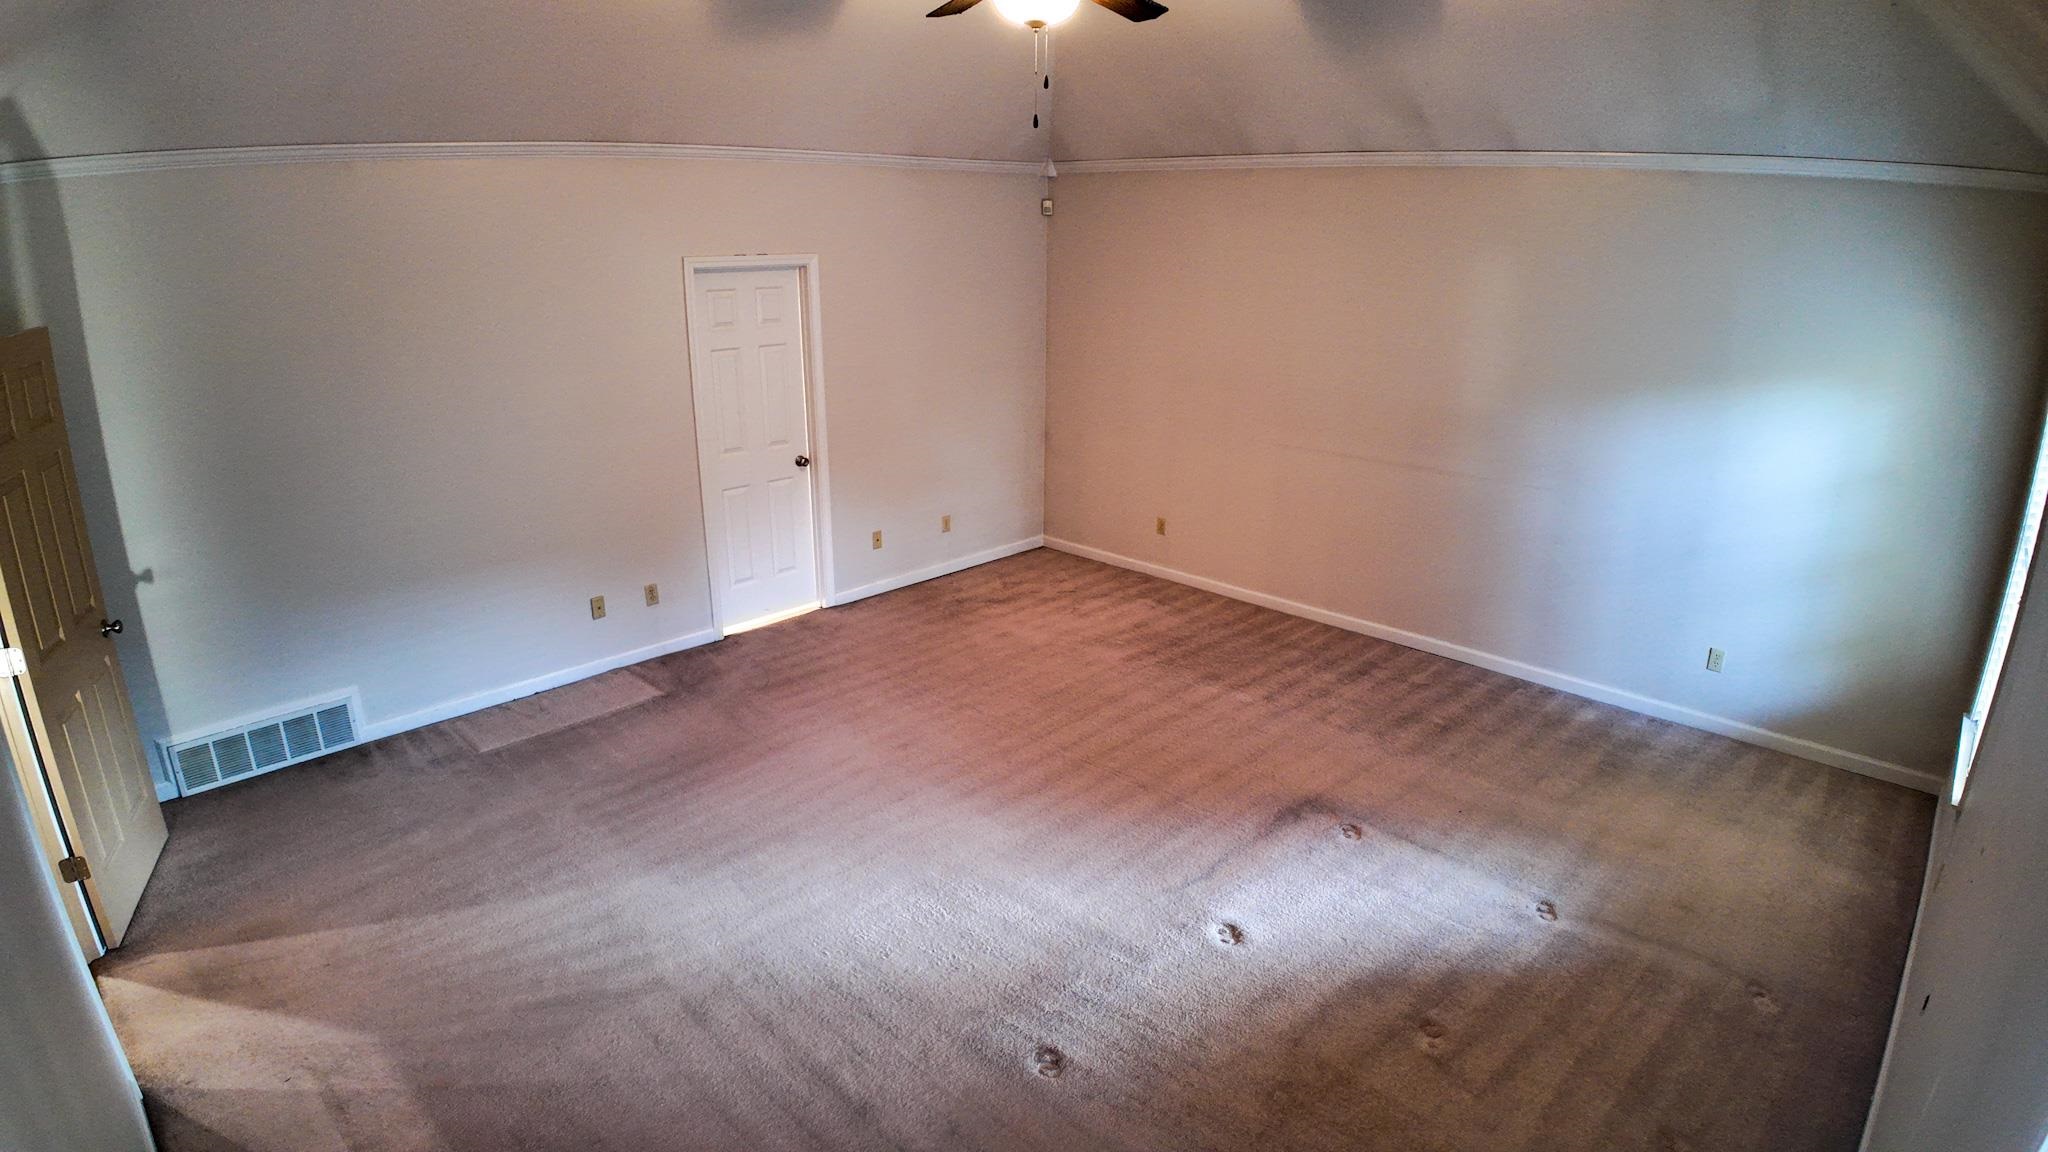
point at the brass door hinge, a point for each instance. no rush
(74, 870)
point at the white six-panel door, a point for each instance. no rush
(753, 440)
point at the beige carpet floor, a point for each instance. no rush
(1044, 855)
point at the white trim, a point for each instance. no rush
(167, 749)
(125, 163)
(943, 568)
(462, 706)
(352, 694)
(1937, 843)
(1663, 710)
(820, 468)
(1813, 166)
(2003, 624)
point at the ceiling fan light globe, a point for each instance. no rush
(1036, 13)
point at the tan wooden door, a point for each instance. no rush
(79, 717)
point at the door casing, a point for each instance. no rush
(820, 471)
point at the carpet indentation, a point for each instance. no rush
(548, 712)
(896, 875)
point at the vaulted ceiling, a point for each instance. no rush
(1859, 79)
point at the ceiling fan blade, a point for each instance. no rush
(1135, 9)
(953, 7)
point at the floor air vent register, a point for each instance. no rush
(210, 761)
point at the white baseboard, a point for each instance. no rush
(449, 709)
(1606, 694)
(462, 706)
(944, 568)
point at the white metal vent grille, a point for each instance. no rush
(264, 746)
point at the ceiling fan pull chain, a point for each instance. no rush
(1048, 102)
(1041, 69)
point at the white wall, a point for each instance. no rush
(64, 1083)
(1593, 422)
(390, 424)
(1964, 1072)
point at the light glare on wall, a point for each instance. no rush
(1037, 13)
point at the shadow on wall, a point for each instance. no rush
(1354, 24)
(39, 288)
(1801, 472)
(766, 19)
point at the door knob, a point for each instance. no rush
(803, 461)
(110, 627)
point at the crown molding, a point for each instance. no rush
(1900, 173)
(124, 163)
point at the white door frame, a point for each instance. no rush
(806, 268)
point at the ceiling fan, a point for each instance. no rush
(1045, 13)
(1040, 16)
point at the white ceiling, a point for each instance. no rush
(2006, 41)
(1860, 79)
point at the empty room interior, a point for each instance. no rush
(1205, 576)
